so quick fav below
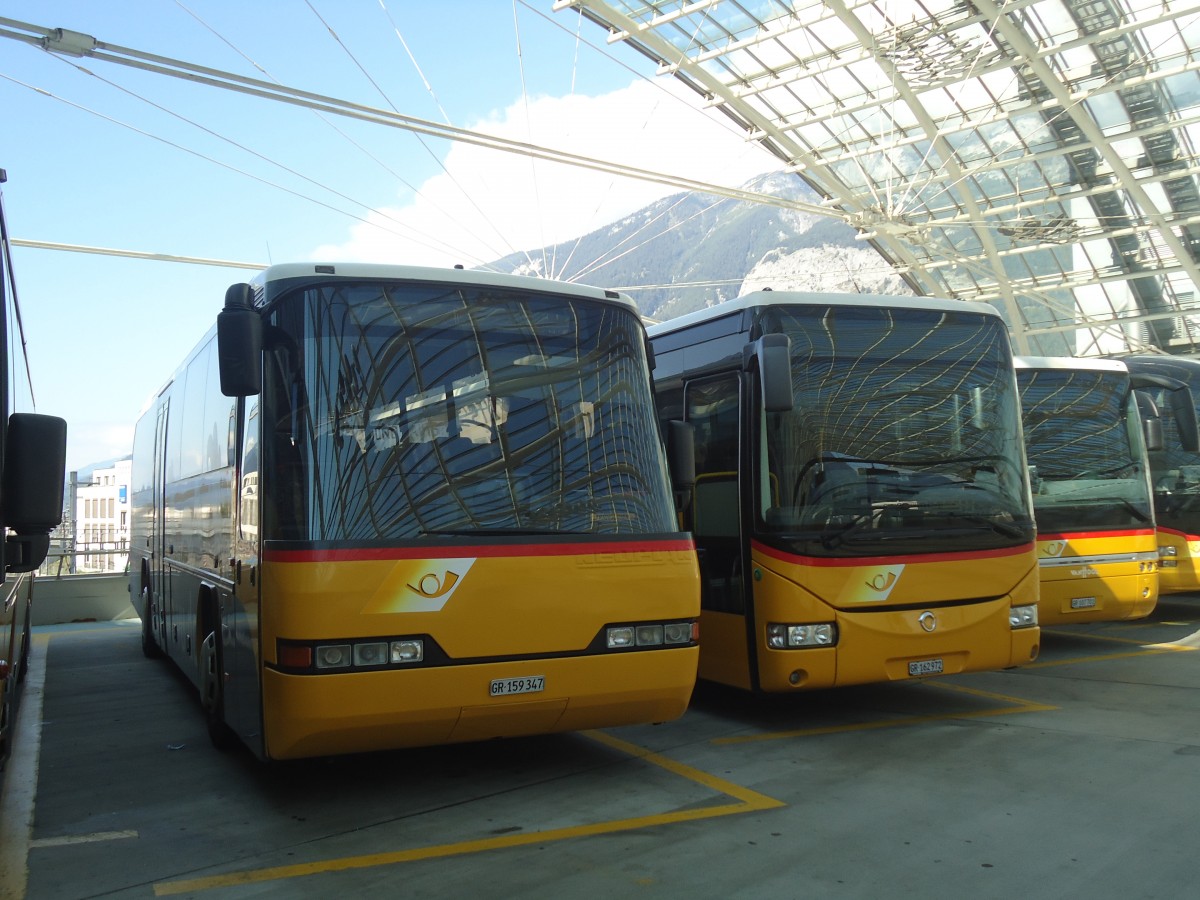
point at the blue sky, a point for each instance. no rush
(102, 155)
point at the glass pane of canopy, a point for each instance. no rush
(1036, 154)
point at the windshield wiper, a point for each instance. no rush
(1140, 514)
(1007, 529)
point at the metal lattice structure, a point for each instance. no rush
(1036, 154)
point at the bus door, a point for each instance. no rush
(713, 408)
(240, 612)
(160, 583)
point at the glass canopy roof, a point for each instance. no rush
(1037, 154)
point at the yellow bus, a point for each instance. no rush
(861, 505)
(33, 451)
(384, 507)
(1174, 467)
(1084, 441)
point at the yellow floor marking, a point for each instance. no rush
(1020, 706)
(748, 801)
(1188, 644)
(1106, 637)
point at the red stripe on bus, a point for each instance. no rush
(845, 562)
(1182, 534)
(1069, 535)
(456, 551)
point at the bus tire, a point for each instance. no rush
(150, 648)
(212, 694)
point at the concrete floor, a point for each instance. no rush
(1075, 776)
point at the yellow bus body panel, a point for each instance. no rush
(1179, 566)
(878, 607)
(495, 617)
(724, 656)
(1097, 577)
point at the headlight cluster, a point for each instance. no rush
(1023, 616)
(366, 654)
(651, 634)
(793, 637)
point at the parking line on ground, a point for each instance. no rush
(1183, 645)
(1018, 706)
(746, 801)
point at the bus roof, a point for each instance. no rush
(475, 277)
(765, 298)
(1070, 363)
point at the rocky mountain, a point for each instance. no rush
(691, 250)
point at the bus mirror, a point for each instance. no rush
(1183, 407)
(239, 344)
(774, 355)
(35, 455)
(681, 454)
(1152, 430)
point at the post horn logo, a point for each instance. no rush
(432, 587)
(882, 582)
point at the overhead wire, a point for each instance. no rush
(657, 85)
(487, 220)
(420, 139)
(548, 265)
(333, 125)
(196, 153)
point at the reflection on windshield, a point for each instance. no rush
(1084, 443)
(422, 410)
(904, 436)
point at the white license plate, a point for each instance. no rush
(1083, 602)
(530, 684)
(925, 667)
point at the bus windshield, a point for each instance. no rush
(904, 436)
(414, 410)
(1083, 439)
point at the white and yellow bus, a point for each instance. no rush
(1172, 388)
(1084, 440)
(382, 507)
(861, 504)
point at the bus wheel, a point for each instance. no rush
(150, 648)
(212, 694)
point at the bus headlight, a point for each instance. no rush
(1023, 616)
(407, 651)
(791, 637)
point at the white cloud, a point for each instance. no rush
(92, 442)
(488, 204)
